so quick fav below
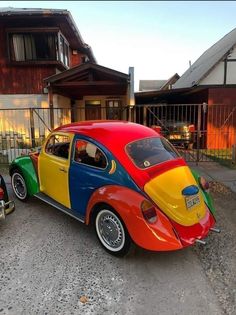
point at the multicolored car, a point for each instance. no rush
(6, 206)
(125, 179)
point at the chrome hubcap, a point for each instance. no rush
(19, 186)
(110, 230)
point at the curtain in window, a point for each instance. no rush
(51, 46)
(30, 50)
(18, 44)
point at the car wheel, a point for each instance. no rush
(19, 185)
(112, 232)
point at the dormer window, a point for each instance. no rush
(38, 46)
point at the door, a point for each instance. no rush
(92, 110)
(54, 163)
(88, 171)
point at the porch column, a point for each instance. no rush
(131, 98)
(51, 112)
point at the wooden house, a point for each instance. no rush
(45, 63)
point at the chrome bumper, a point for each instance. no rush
(6, 208)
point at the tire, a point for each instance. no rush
(111, 232)
(19, 185)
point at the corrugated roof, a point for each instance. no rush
(202, 66)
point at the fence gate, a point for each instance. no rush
(200, 132)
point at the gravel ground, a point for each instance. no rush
(52, 264)
(218, 256)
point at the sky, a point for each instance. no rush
(157, 38)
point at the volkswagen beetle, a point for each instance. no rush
(125, 179)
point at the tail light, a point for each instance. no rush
(1, 193)
(149, 211)
(204, 184)
(157, 129)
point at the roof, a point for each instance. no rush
(150, 85)
(115, 135)
(155, 85)
(89, 79)
(82, 67)
(205, 63)
(19, 11)
(47, 13)
(109, 132)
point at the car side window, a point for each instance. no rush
(58, 145)
(89, 154)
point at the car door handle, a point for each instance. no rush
(62, 169)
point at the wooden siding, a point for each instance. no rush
(25, 79)
(221, 123)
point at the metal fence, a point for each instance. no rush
(200, 132)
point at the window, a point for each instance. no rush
(38, 46)
(64, 51)
(89, 154)
(58, 145)
(113, 109)
(151, 151)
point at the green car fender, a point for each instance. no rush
(25, 166)
(206, 195)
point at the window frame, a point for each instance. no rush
(50, 31)
(88, 165)
(54, 155)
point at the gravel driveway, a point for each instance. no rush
(52, 264)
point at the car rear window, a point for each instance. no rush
(151, 151)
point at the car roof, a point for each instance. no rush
(110, 132)
(115, 135)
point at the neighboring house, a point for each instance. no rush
(44, 63)
(214, 71)
(211, 80)
(154, 85)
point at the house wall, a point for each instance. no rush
(231, 67)
(231, 73)
(19, 101)
(20, 79)
(221, 95)
(216, 76)
(221, 123)
(25, 79)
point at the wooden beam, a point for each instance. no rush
(84, 83)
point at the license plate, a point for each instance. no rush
(175, 136)
(192, 201)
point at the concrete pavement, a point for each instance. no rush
(213, 171)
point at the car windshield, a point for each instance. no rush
(151, 151)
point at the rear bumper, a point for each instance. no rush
(6, 208)
(189, 235)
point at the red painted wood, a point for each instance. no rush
(221, 124)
